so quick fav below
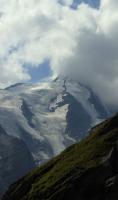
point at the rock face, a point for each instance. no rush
(41, 120)
(85, 171)
(15, 160)
(49, 116)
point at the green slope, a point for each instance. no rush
(84, 171)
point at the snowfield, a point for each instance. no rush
(48, 116)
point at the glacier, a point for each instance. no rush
(38, 114)
(49, 116)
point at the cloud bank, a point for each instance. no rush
(81, 44)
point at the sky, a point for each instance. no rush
(44, 70)
(75, 39)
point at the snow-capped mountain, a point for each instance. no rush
(49, 116)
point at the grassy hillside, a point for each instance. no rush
(84, 171)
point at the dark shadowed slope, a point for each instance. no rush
(85, 171)
(15, 160)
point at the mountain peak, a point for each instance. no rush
(14, 85)
(49, 116)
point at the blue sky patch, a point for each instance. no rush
(92, 3)
(39, 72)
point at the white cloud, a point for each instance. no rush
(81, 44)
(66, 2)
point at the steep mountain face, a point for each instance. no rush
(85, 171)
(15, 160)
(48, 117)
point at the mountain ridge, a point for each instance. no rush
(60, 106)
(87, 170)
(49, 116)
